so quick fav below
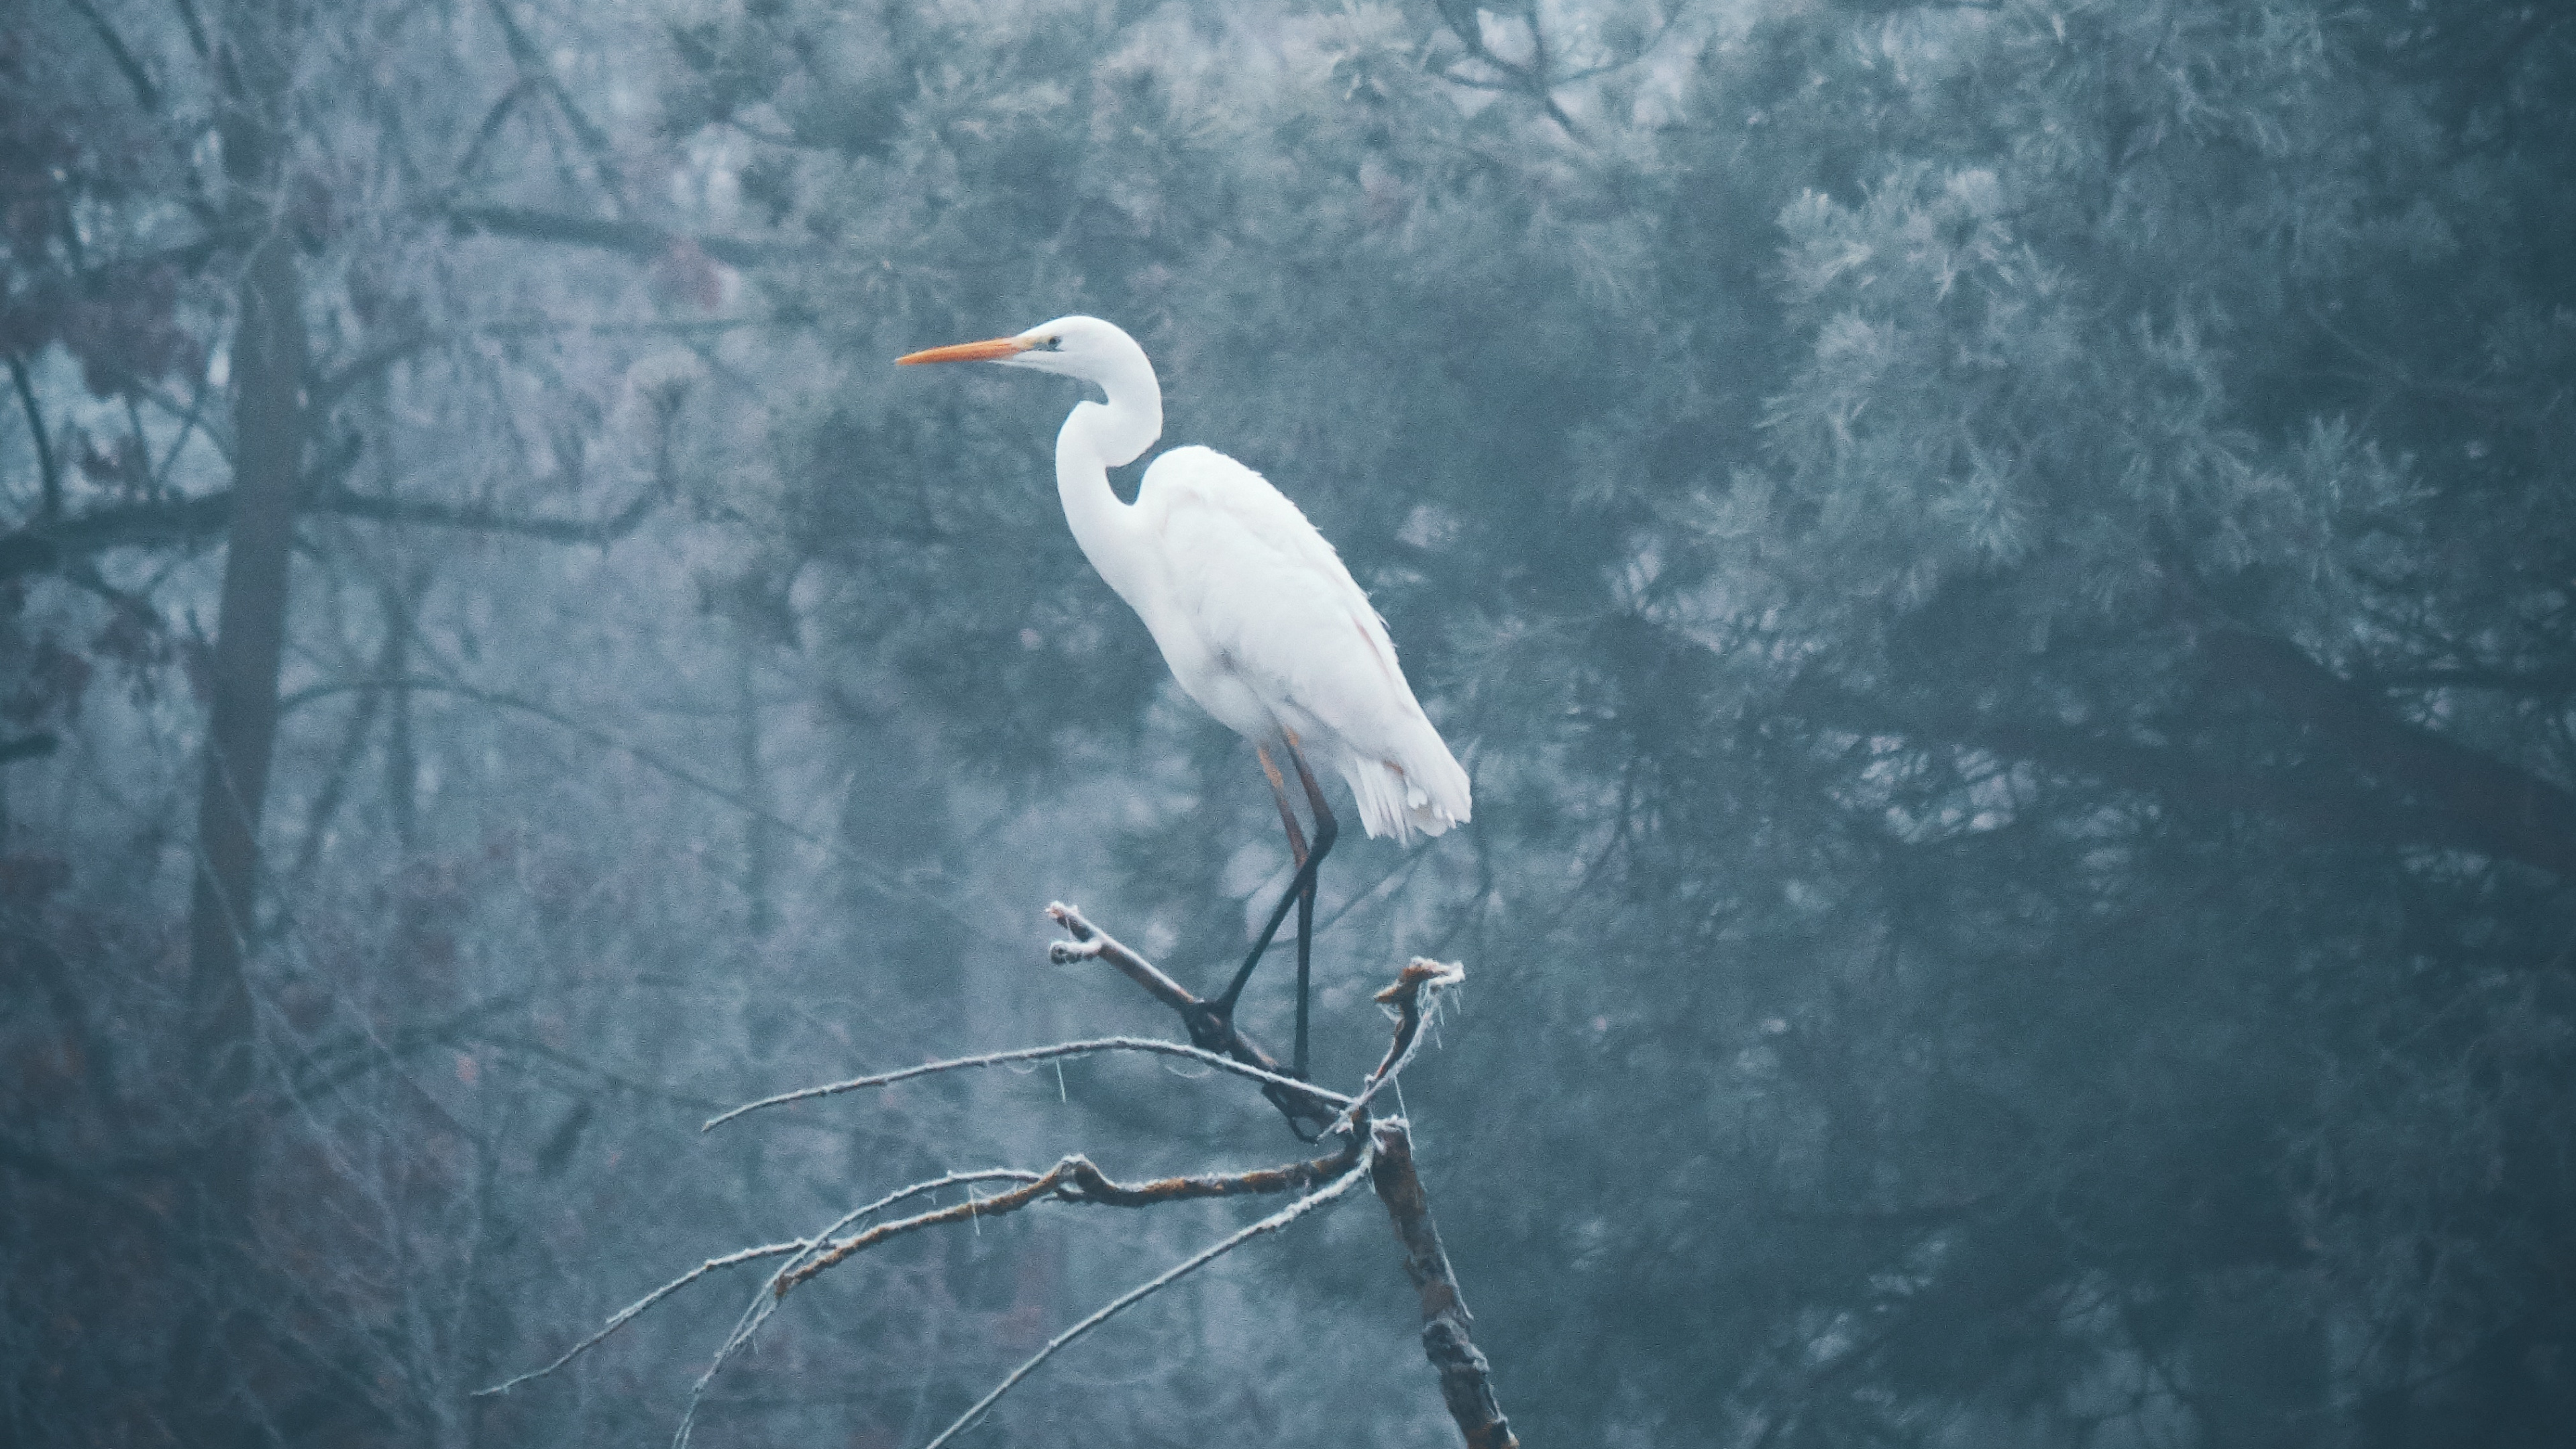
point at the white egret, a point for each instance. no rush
(1254, 612)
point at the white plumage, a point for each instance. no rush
(1255, 613)
(1263, 625)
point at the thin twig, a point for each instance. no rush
(1091, 942)
(1201, 1259)
(1412, 995)
(627, 1314)
(766, 1301)
(865, 872)
(748, 1255)
(49, 483)
(1074, 1180)
(1033, 1054)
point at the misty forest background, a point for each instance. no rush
(2006, 574)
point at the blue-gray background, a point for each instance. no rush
(2006, 574)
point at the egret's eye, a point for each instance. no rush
(1055, 344)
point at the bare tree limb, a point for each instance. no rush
(767, 1300)
(1297, 1101)
(43, 547)
(49, 479)
(861, 869)
(1465, 1382)
(1029, 1054)
(1415, 992)
(1531, 80)
(1141, 1291)
(738, 1257)
(627, 1314)
(534, 70)
(1092, 943)
(344, 503)
(628, 238)
(493, 120)
(372, 362)
(144, 92)
(1075, 1180)
(1380, 1151)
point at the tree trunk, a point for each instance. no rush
(222, 1348)
(268, 364)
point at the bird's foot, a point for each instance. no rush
(1307, 1117)
(1211, 1028)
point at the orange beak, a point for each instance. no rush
(993, 351)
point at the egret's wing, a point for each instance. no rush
(1269, 596)
(1267, 592)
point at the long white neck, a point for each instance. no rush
(1095, 438)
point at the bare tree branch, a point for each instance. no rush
(534, 70)
(1380, 1151)
(344, 503)
(627, 1314)
(1075, 1180)
(1465, 1382)
(1029, 1054)
(1141, 1291)
(49, 478)
(1416, 990)
(126, 64)
(43, 547)
(628, 238)
(1092, 943)
(493, 120)
(1531, 80)
(860, 868)
(1297, 1101)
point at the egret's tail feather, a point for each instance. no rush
(1394, 803)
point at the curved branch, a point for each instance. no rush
(627, 1314)
(1416, 990)
(1132, 1296)
(1075, 1180)
(1030, 1054)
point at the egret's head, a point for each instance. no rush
(1083, 347)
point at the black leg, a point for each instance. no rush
(1326, 828)
(1300, 888)
(1305, 938)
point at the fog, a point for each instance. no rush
(2004, 575)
